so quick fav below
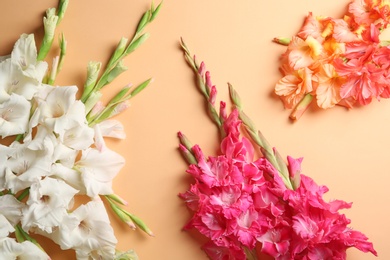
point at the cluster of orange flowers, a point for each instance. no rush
(337, 61)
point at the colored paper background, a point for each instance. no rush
(347, 150)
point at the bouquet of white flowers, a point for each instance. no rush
(57, 149)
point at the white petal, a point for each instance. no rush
(61, 111)
(11, 208)
(112, 128)
(5, 227)
(48, 203)
(98, 169)
(79, 137)
(24, 55)
(70, 176)
(14, 114)
(87, 230)
(25, 167)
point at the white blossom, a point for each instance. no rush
(24, 167)
(14, 114)
(47, 204)
(79, 137)
(98, 169)
(24, 56)
(87, 230)
(60, 111)
(20, 72)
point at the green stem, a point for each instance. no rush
(22, 236)
(122, 51)
(23, 194)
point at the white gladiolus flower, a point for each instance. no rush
(79, 137)
(47, 204)
(64, 155)
(88, 231)
(24, 56)
(44, 141)
(21, 73)
(24, 167)
(14, 114)
(98, 169)
(10, 249)
(60, 111)
(12, 80)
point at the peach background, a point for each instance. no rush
(346, 150)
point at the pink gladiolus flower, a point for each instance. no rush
(238, 202)
(243, 203)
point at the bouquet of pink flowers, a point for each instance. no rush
(244, 204)
(57, 151)
(337, 61)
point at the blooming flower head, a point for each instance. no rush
(240, 202)
(47, 204)
(342, 57)
(87, 230)
(24, 167)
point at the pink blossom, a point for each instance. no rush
(238, 201)
(317, 223)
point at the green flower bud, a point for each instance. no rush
(49, 23)
(62, 6)
(93, 70)
(118, 51)
(136, 43)
(128, 255)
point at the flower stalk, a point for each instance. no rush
(115, 66)
(205, 87)
(116, 105)
(22, 236)
(128, 218)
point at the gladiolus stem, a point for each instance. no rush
(23, 194)
(22, 236)
(204, 88)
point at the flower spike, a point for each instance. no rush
(59, 154)
(239, 201)
(342, 63)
